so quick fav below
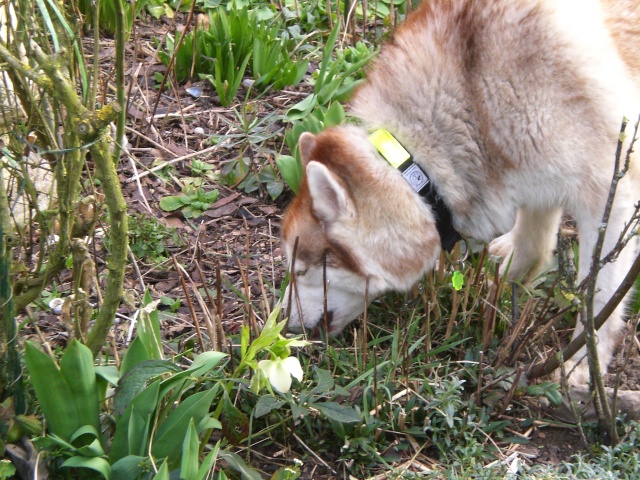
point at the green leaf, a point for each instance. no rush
(76, 366)
(7, 470)
(266, 404)
(325, 382)
(208, 463)
(174, 428)
(235, 424)
(190, 447)
(129, 467)
(135, 355)
(236, 462)
(109, 373)
(291, 170)
(203, 363)
(302, 108)
(52, 392)
(90, 448)
(132, 428)
(163, 472)
(172, 202)
(99, 465)
(334, 115)
(337, 412)
(136, 380)
(149, 329)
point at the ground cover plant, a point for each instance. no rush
(140, 333)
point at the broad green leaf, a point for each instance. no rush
(76, 366)
(149, 329)
(334, 115)
(99, 465)
(126, 438)
(172, 202)
(204, 363)
(94, 449)
(337, 412)
(90, 449)
(138, 432)
(236, 462)
(266, 404)
(291, 170)
(496, 426)
(109, 373)
(173, 429)
(209, 423)
(325, 382)
(52, 392)
(235, 424)
(302, 108)
(138, 378)
(190, 447)
(128, 468)
(135, 354)
(328, 91)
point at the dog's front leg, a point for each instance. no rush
(609, 278)
(528, 246)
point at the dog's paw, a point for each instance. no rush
(502, 250)
(522, 260)
(502, 247)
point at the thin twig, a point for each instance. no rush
(189, 303)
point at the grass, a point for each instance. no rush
(437, 393)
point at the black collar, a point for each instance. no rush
(394, 153)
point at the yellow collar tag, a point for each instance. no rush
(389, 147)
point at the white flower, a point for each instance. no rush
(280, 371)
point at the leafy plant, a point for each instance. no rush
(149, 238)
(290, 166)
(244, 170)
(172, 303)
(272, 64)
(333, 80)
(108, 14)
(192, 203)
(228, 43)
(200, 168)
(158, 8)
(221, 52)
(185, 62)
(155, 408)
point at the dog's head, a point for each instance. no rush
(355, 230)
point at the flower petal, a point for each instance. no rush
(278, 375)
(293, 366)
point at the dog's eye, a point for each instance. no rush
(301, 273)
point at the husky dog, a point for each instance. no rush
(510, 111)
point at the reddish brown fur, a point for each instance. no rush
(313, 244)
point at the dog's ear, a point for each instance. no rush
(306, 144)
(329, 196)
